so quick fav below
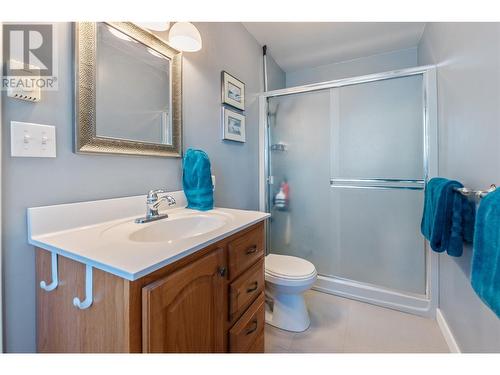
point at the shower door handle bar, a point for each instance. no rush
(350, 180)
(379, 187)
(377, 183)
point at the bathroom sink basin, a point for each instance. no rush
(104, 235)
(171, 229)
(178, 226)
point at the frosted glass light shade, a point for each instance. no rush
(184, 36)
(155, 26)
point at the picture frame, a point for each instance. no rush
(233, 91)
(233, 125)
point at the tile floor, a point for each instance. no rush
(340, 325)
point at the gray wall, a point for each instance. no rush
(31, 182)
(366, 65)
(468, 76)
(276, 78)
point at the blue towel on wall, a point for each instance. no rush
(448, 217)
(485, 274)
(462, 224)
(197, 180)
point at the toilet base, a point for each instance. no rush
(288, 312)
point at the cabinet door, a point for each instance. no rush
(185, 311)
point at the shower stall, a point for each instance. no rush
(343, 171)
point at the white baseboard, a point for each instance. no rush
(446, 331)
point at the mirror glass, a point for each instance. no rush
(133, 89)
(128, 91)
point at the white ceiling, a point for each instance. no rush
(298, 45)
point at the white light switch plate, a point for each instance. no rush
(32, 140)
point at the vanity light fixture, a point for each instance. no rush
(184, 36)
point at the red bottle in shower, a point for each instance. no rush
(286, 190)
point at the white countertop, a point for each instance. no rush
(97, 233)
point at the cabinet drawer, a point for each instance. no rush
(244, 290)
(248, 329)
(245, 250)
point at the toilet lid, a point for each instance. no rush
(289, 267)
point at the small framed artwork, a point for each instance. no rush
(233, 125)
(233, 91)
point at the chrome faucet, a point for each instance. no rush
(153, 203)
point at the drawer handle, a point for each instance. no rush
(222, 271)
(255, 324)
(254, 287)
(251, 249)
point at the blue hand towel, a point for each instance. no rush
(462, 224)
(197, 180)
(448, 217)
(485, 274)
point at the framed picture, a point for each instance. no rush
(233, 125)
(233, 91)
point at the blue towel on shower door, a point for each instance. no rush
(197, 180)
(448, 217)
(485, 274)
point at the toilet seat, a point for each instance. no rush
(288, 270)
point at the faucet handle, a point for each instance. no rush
(153, 197)
(170, 200)
(153, 194)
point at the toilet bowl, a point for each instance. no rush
(287, 278)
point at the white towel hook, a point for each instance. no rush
(55, 279)
(88, 291)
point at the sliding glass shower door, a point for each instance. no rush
(347, 170)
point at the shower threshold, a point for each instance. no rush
(412, 303)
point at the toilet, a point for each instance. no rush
(287, 278)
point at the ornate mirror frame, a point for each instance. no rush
(85, 53)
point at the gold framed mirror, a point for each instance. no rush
(128, 91)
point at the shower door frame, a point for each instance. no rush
(419, 304)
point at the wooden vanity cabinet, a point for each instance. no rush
(211, 301)
(185, 311)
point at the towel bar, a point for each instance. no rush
(475, 193)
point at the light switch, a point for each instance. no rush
(32, 140)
